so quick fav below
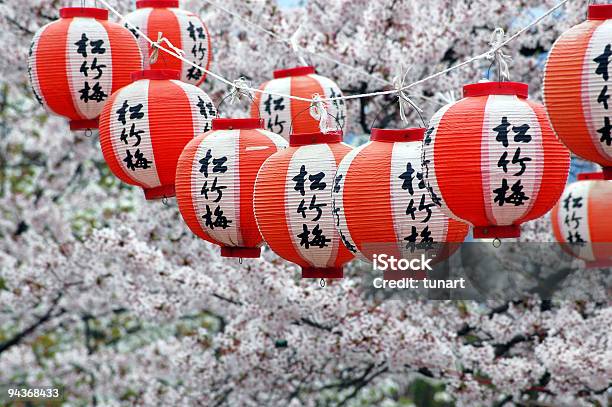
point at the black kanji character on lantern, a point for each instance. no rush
(427, 241)
(219, 166)
(214, 188)
(316, 181)
(121, 112)
(207, 109)
(312, 206)
(85, 68)
(300, 179)
(82, 45)
(434, 197)
(603, 61)
(220, 220)
(521, 135)
(427, 208)
(337, 186)
(135, 112)
(605, 132)
(407, 177)
(199, 48)
(194, 73)
(318, 240)
(138, 160)
(94, 93)
(411, 209)
(411, 239)
(603, 97)
(277, 123)
(133, 30)
(502, 131)
(577, 202)
(97, 47)
(133, 133)
(517, 197)
(516, 159)
(428, 133)
(576, 219)
(566, 202)
(575, 238)
(205, 162)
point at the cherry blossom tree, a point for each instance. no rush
(112, 299)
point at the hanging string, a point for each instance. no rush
(498, 56)
(349, 97)
(404, 100)
(156, 45)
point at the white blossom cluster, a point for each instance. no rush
(111, 297)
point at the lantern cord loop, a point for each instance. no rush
(497, 55)
(468, 61)
(497, 242)
(294, 41)
(88, 133)
(240, 260)
(404, 101)
(318, 111)
(240, 88)
(165, 201)
(322, 283)
(315, 108)
(156, 45)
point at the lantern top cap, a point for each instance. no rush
(304, 139)
(88, 12)
(156, 74)
(237, 124)
(496, 88)
(297, 71)
(600, 11)
(157, 3)
(591, 176)
(398, 135)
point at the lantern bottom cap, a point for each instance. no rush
(322, 272)
(85, 124)
(607, 173)
(598, 264)
(164, 191)
(241, 252)
(497, 232)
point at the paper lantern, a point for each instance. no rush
(215, 178)
(492, 160)
(279, 113)
(578, 86)
(293, 205)
(145, 126)
(183, 29)
(581, 220)
(77, 62)
(381, 202)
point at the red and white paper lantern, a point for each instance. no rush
(215, 178)
(284, 116)
(182, 28)
(493, 161)
(382, 204)
(578, 86)
(77, 62)
(293, 204)
(145, 126)
(581, 220)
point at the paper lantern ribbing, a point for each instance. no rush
(577, 87)
(76, 63)
(293, 205)
(283, 115)
(145, 126)
(581, 220)
(382, 205)
(492, 160)
(183, 29)
(215, 177)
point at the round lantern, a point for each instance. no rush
(183, 29)
(492, 160)
(381, 202)
(145, 126)
(78, 61)
(293, 205)
(284, 115)
(215, 177)
(581, 220)
(578, 85)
